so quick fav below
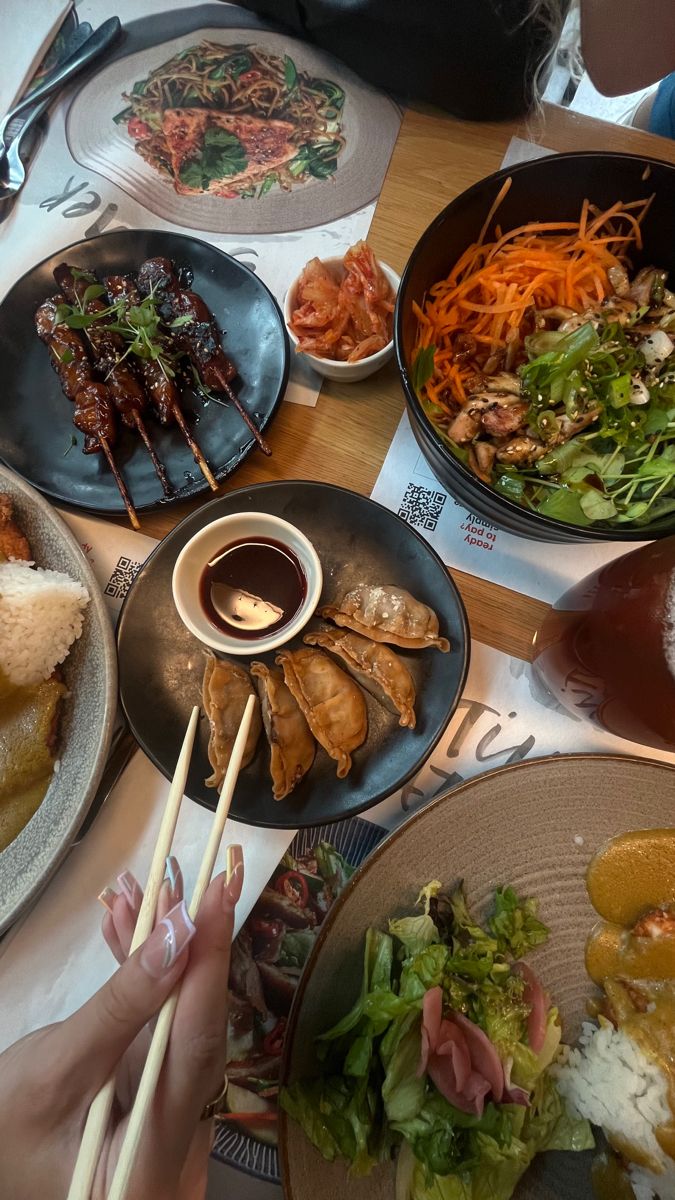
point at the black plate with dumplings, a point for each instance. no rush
(358, 541)
(36, 428)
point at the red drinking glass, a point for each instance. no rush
(607, 648)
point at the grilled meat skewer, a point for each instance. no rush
(199, 336)
(94, 412)
(162, 391)
(107, 349)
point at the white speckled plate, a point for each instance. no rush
(90, 672)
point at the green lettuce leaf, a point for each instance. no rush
(414, 933)
(549, 1126)
(425, 970)
(501, 1012)
(342, 1117)
(378, 959)
(400, 1050)
(515, 924)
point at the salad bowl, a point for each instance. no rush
(548, 189)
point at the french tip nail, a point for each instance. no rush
(129, 886)
(107, 898)
(235, 859)
(174, 877)
(234, 884)
(168, 940)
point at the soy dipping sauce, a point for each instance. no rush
(252, 588)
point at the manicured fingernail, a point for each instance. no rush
(131, 888)
(174, 878)
(235, 858)
(107, 898)
(235, 876)
(167, 940)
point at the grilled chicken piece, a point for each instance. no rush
(162, 391)
(660, 922)
(481, 460)
(558, 312)
(13, 544)
(501, 420)
(504, 382)
(643, 285)
(464, 427)
(94, 416)
(569, 427)
(108, 349)
(521, 452)
(618, 277)
(67, 351)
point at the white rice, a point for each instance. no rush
(609, 1080)
(41, 615)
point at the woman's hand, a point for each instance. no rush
(48, 1080)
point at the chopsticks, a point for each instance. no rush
(160, 1037)
(99, 1112)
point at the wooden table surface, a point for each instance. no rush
(344, 439)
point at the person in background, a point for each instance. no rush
(49, 1078)
(482, 60)
(626, 45)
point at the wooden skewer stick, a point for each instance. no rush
(99, 1111)
(156, 460)
(131, 511)
(160, 1038)
(234, 399)
(196, 451)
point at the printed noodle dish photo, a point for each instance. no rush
(235, 121)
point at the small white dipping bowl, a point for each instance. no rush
(199, 551)
(331, 368)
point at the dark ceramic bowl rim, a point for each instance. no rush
(581, 533)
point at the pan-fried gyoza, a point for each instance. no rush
(387, 614)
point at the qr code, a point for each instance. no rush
(122, 578)
(421, 507)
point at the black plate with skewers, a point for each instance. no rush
(37, 435)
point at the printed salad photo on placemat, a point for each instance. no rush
(235, 131)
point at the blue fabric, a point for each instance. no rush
(662, 116)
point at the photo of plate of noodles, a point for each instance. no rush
(219, 132)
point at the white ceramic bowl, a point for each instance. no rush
(201, 548)
(343, 372)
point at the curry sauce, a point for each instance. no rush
(28, 726)
(631, 954)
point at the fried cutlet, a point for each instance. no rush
(13, 544)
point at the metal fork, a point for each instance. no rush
(13, 169)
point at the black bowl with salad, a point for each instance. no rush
(535, 335)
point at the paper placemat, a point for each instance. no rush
(63, 202)
(28, 30)
(408, 486)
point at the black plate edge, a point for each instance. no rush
(200, 486)
(465, 651)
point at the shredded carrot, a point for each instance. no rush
(494, 288)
